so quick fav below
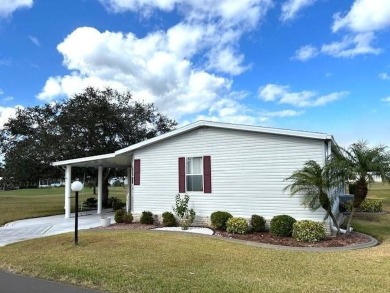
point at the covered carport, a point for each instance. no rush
(122, 161)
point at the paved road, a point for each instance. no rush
(11, 283)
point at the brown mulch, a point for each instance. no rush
(266, 237)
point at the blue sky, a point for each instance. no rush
(315, 65)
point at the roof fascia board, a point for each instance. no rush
(85, 159)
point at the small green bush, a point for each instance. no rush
(116, 203)
(118, 216)
(308, 231)
(237, 225)
(169, 219)
(368, 205)
(127, 218)
(90, 202)
(146, 218)
(219, 219)
(282, 225)
(257, 223)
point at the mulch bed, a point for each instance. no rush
(266, 237)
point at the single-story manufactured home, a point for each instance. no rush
(222, 167)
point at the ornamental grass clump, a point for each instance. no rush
(237, 225)
(308, 231)
(257, 223)
(282, 225)
(219, 219)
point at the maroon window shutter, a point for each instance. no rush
(137, 172)
(182, 175)
(207, 174)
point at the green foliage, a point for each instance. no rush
(90, 202)
(146, 218)
(282, 225)
(219, 219)
(257, 223)
(169, 219)
(186, 215)
(308, 231)
(237, 225)
(93, 122)
(116, 203)
(368, 205)
(127, 218)
(118, 216)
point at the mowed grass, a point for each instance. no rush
(150, 261)
(32, 203)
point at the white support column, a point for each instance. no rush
(100, 189)
(68, 179)
(128, 197)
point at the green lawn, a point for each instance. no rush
(148, 261)
(32, 203)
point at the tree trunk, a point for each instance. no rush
(105, 194)
(350, 219)
(334, 221)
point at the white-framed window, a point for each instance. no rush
(194, 174)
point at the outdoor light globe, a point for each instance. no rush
(77, 186)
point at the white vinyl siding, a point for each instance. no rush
(248, 171)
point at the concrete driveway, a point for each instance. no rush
(46, 226)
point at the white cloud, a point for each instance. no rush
(386, 100)
(6, 113)
(282, 95)
(283, 113)
(34, 40)
(352, 46)
(384, 76)
(305, 53)
(1, 91)
(7, 7)
(291, 8)
(364, 16)
(150, 67)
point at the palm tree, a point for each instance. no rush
(316, 184)
(360, 163)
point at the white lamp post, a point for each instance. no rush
(76, 187)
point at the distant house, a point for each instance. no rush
(228, 167)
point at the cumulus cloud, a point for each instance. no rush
(384, 76)
(291, 8)
(183, 70)
(282, 95)
(7, 7)
(386, 100)
(364, 16)
(305, 53)
(6, 113)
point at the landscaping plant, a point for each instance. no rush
(146, 218)
(169, 219)
(308, 231)
(127, 218)
(185, 214)
(282, 225)
(257, 223)
(219, 219)
(118, 216)
(237, 225)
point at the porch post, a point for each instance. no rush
(100, 189)
(128, 197)
(68, 179)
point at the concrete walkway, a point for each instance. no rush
(12, 283)
(46, 226)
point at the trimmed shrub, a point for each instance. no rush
(146, 218)
(237, 225)
(116, 203)
(219, 219)
(90, 203)
(282, 225)
(169, 219)
(118, 216)
(127, 218)
(368, 205)
(257, 223)
(308, 231)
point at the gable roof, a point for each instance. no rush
(122, 157)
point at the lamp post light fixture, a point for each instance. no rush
(76, 187)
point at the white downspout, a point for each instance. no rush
(100, 189)
(68, 178)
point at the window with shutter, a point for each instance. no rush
(195, 174)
